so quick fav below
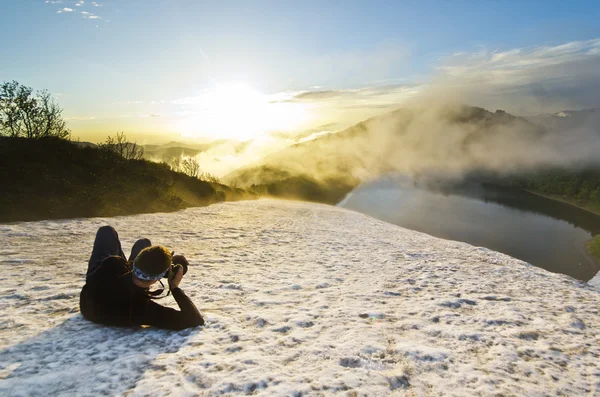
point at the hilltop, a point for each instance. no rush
(55, 178)
(568, 120)
(300, 299)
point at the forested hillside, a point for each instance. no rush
(55, 178)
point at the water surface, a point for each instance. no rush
(543, 232)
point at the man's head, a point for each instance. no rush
(151, 265)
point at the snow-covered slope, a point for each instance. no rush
(301, 299)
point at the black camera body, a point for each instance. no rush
(175, 268)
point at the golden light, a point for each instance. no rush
(237, 111)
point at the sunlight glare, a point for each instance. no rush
(238, 111)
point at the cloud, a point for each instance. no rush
(387, 94)
(430, 135)
(320, 95)
(81, 4)
(89, 15)
(524, 80)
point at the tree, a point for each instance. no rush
(190, 166)
(119, 145)
(29, 115)
(208, 177)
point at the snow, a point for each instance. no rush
(300, 299)
(595, 281)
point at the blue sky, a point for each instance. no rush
(111, 63)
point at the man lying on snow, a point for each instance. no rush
(117, 292)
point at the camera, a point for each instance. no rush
(178, 262)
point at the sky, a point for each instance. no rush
(203, 70)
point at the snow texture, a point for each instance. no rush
(300, 300)
(595, 281)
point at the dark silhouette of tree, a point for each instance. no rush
(191, 167)
(26, 114)
(208, 177)
(119, 145)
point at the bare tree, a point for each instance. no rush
(208, 177)
(190, 166)
(29, 115)
(119, 144)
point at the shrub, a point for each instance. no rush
(24, 114)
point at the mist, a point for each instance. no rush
(438, 128)
(436, 132)
(437, 140)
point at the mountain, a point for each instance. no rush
(299, 299)
(85, 144)
(426, 141)
(569, 120)
(170, 152)
(164, 154)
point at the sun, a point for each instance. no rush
(238, 111)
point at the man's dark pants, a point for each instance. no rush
(107, 244)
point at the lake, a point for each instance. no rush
(544, 232)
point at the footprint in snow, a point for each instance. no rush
(283, 329)
(378, 316)
(351, 362)
(233, 349)
(457, 304)
(231, 286)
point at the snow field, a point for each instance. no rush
(300, 299)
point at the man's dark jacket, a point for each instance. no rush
(110, 297)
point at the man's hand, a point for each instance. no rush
(176, 279)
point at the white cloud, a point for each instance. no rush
(526, 80)
(80, 4)
(522, 81)
(376, 97)
(89, 15)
